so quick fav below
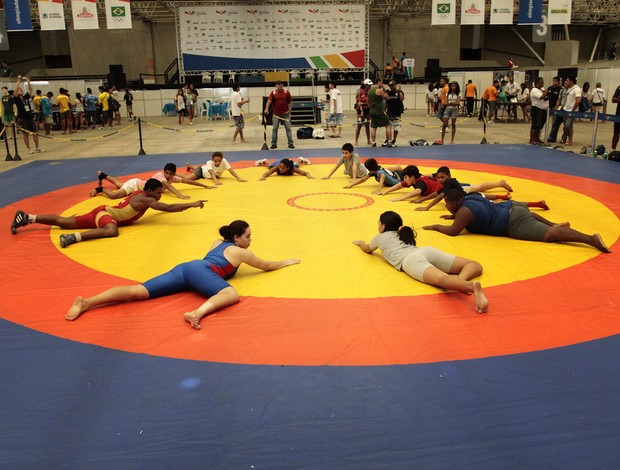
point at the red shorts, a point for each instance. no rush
(97, 218)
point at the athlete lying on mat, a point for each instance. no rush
(507, 219)
(167, 177)
(284, 167)
(105, 220)
(206, 276)
(427, 264)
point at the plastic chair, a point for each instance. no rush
(294, 75)
(204, 110)
(323, 75)
(224, 112)
(206, 77)
(218, 77)
(232, 76)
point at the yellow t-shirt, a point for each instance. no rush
(103, 101)
(64, 104)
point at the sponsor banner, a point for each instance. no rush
(118, 14)
(559, 11)
(444, 12)
(84, 14)
(502, 12)
(18, 15)
(408, 65)
(4, 37)
(530, 11)
(472, 12)
(293, 36)
(51, 15)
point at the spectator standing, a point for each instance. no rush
(8, 110)
(471, 95)
(336, 111)
(489, 101)
(64, 111)
(612, 55)
(616, 99)
(540, 105)
(78, 106)
(128, 99)
(36, 103)
(524, 99)
(598, 99)
(282, 103)
(363, 111)
(378, 116)
(47, 113)
(557, 119)
(236, 102)
(388, 71)
(103, 100)
(553, 92)
(90, 108)
(395, 108)
(573, 99)
(25, 118)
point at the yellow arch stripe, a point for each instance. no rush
(335, 61)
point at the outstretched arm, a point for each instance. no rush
(462, 217)
(268, 173)
(365, 247)
(162, 206)
(355, 183)
(173, 190)
(404, 197)
(234, 173)
(396, 187)
(437, 199)
(250, 258)
(303, 173)
(195, 183)
(331, 172)
(380, 185)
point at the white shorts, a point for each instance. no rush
(418, 261)
(131, 185)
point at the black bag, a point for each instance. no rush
(614, 156)
(304, 133)
(113, 105)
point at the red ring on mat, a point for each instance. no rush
(293, 202)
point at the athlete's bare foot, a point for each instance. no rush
(599, 244)
(506, 186)
(78, 308)
(193, 320)
(92, 192)
(482, 303)
(563, 224)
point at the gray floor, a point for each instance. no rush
(163, 135)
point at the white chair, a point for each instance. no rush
(232, 76)
(218, 77)
(323, 75)
(206, 77)
(294, 74)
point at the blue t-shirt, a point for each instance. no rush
(90, 100)
(488, 218)
(391, 177)
(46, 106)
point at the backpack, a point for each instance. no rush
(614, 156)
(113, 105)
(304, 133)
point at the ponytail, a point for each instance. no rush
(235, 229)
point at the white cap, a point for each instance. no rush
(368, 81)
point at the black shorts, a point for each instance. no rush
(27, 124)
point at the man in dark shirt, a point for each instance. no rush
(553, 92)
(616, 99)
(25, 118)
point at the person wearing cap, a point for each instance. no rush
(378, 116)
(363, 111)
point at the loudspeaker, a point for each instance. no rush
(120, 81)
(432, 63)
(569, 72)
(432, 74)
(116, 69)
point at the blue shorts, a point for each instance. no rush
(193, 275)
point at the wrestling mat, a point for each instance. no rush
(339, 361)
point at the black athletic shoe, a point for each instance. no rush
(384, 144)
(274, 146)
(20, 220)
(374, 144)
(291, 146)
(67, 239)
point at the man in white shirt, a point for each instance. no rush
(540, 105)
(511, 89)
(236, 102)
(336, 113)
(572, 104)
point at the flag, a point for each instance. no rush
(118, 14)
(408, 65)
(443, 12)
(472, 12)
(51, 15)
(502, 12)
(530, 12)
(18, 15)
(559, 12)
(4, 37)
(84, 14)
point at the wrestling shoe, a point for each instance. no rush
(20, 220)
(67, 239)
(304, 161)
(261, 162)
